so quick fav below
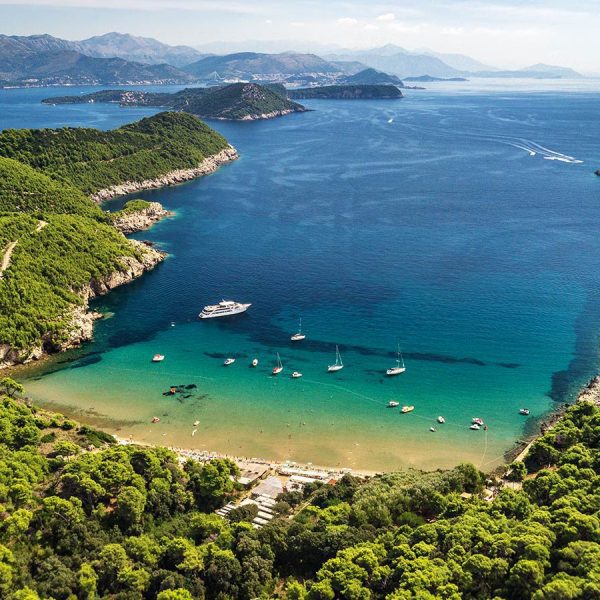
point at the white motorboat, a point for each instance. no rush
(524, 411)
(407, 409)
(339, 365)
(279, 367)
(225, 308)
(158, 358)
(229, 361)
(441, 420)
(255, 362)
(393, 404)
(196, 423)
(475, 426)
(477, 421)
(399, 368)
(298, 336)
(432, 429)
(296, 374)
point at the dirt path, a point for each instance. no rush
(6, 258)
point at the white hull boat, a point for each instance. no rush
(399, 368)
(339, 365)
(225, 308)
(297, 337)
(229, 361)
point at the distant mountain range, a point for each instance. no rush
(117, 58)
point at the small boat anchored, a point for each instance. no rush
(279, 367)
(475, 426)
(407, 409)
(399, 368)
(524, 411)
(228, 361)
(393, 404)
(441, 419)
(254, 362)
(298, 336)
(158, 358)
(225, 308)
(432, 429)
(155, 420)
(196, 423)
(477, 421)
(339, 365)
(296, 374)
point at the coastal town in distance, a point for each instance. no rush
(299, 300)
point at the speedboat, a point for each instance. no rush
(229, 361)
(158, 358)
(225, 308)
(279, 367)
(432, 429)
(407, 409)
(441, 419)
(475, 426)
(298, 336)
(393, 404)
(477, 421)
(399, 368)
(524, 411)
(255, 362)
(296, 374)
(339, 365)
(196, 423)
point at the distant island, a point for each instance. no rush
(372, 77)
(236, 102)
(58, 248)
(430, 79)
(347, 92)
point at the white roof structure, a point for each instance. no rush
(270, 487)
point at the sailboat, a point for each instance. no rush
(399, 368)
(298, 336)
(339, 365)
(279, 366)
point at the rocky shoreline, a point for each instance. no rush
(81, 326)
(272, 115)
(132, 222)
(207, 166)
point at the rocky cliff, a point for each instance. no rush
(81, 320)
(208, 165)
(138, 220)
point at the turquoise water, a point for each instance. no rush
(437, 222)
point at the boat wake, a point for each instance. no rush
(535, 149)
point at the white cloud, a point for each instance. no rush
(386, 17)
(347, 21)
(370, 27)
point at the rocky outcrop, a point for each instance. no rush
(130, 222)
(81, 321)
(270, 115)
(208, 165)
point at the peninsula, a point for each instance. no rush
(235, 102)
(347, 92)
(58, 248)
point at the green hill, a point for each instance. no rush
(130, 522)
(91, 159)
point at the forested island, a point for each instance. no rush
(236, 102)
(347, 92)
(84, 517)
(58, 248)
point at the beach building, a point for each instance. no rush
(251, 472)
(271, 487)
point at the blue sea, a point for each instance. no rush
(460, 223)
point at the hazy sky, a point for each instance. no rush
(505, 33)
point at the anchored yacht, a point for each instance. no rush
(225, 308)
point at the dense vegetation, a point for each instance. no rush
(236, 101)
(54, 240)
(91, 159)
(131, 523)
(348, 92)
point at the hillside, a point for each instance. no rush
(254, 65)
(51, 61)
(58, 248)
(84, 517)
(348, 92)
(238, 101)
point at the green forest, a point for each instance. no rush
(84, 518)
(54, 239)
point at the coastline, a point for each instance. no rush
(209, 165)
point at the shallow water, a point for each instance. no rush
(448, 231)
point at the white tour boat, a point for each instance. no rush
(339, 365)
(298, 336)
(225, 308)
(399, 368)
(279, 367)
